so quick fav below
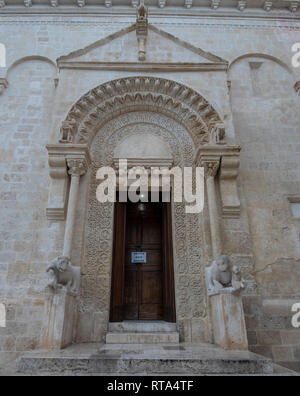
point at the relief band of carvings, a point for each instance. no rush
(167, 97)
(187, 236)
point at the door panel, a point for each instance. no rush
(143, 291)
(144, 280)
(151, 287)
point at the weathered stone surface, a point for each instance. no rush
(228, 322)
(250, 98)
(142, 338)
(269, 337)
(150, 359)
(290, 337)
(283, 353)
(58, 320)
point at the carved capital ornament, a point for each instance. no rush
(77, 167)
(211, 168)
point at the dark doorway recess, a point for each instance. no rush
(143, 270)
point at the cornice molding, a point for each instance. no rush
(242, 8)
(226, 160)
(144, 67)
(192, 21)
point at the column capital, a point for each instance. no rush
(77, 166)
(209, 157)
(214, 153)
(58, 157)
(211, 166)
(68, 153)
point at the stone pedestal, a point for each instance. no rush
(59, 319)
(228, 319)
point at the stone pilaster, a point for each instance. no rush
(229, 157)
(229, 170)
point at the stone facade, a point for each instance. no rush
(76, 79)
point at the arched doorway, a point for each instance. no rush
(183, 120)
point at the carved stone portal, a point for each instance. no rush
(99, 121)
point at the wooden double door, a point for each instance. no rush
(143, 275)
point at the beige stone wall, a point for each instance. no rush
(266, 117)
(265, 108)
(27, 241)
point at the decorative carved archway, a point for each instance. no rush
(88, 128)
(124, 95)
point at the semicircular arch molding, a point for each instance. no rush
(131, 94)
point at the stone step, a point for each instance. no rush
(181, 359)
(142, 338)
(142, 327)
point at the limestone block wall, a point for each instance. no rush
(26, 240)
(270, 330)
(266, 117)
(265, 112)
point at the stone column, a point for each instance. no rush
(226, 307)
(60, 313)
(211, 168)
(77, 168)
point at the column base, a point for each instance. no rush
(59, 319)
(229, 327)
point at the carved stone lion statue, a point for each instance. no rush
(237, 281)
(62, 273)
(222, 276)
